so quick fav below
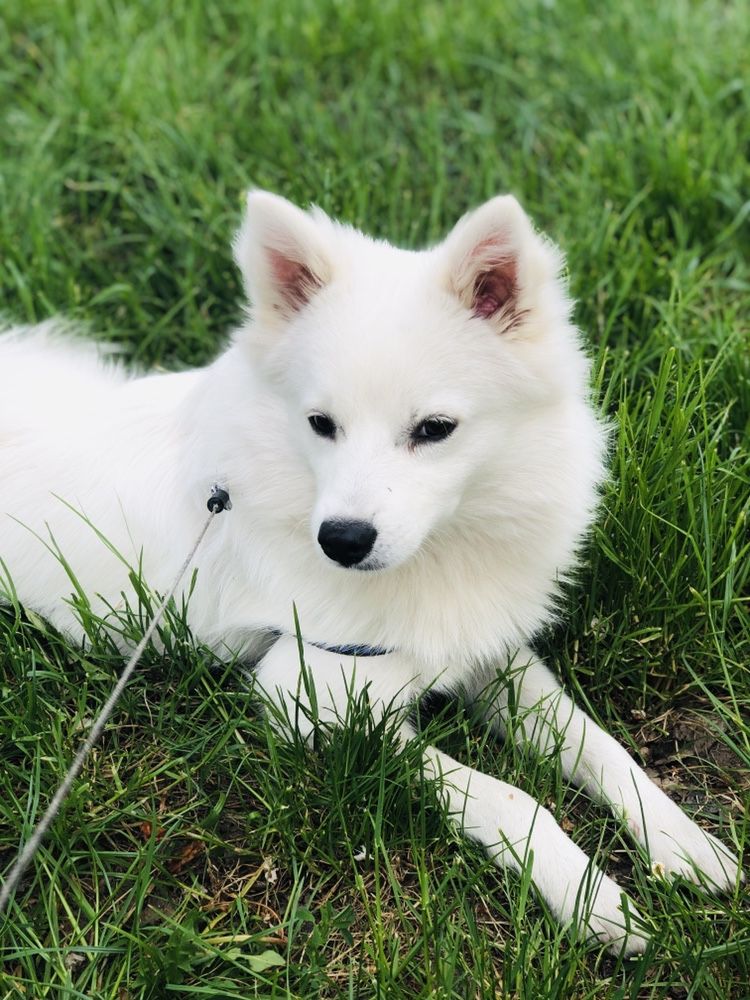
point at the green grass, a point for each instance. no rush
(200, 857)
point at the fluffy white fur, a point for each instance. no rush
(473, 532)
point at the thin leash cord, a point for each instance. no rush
(218, 502)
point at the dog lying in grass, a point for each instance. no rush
(413, 459)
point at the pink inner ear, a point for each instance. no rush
(294, 280)
(494, 288)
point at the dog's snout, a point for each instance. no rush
(347, 542)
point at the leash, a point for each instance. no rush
(217, 502)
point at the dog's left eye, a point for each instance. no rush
(322, 424)
(433, 429)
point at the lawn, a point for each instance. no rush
(198, 856)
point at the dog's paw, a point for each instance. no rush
(677, 846)
(613, 920)
(686, 850)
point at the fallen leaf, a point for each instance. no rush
(146, 829)
(189, 853)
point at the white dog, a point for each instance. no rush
(412, 459)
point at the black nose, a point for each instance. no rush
(346, 542)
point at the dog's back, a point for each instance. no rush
(73, 426)
(48, 374)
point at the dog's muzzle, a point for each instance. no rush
(347, 542)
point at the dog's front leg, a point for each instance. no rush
(515, 830)
(533, 708)
(518, 832)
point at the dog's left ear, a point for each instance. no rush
(494, 258)
(281, 253)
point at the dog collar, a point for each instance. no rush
(355, 650)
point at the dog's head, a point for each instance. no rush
(409, 378)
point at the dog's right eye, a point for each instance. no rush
(433, 429)
(322, 425)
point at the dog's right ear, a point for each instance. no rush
(499, 268)
(280, 251)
